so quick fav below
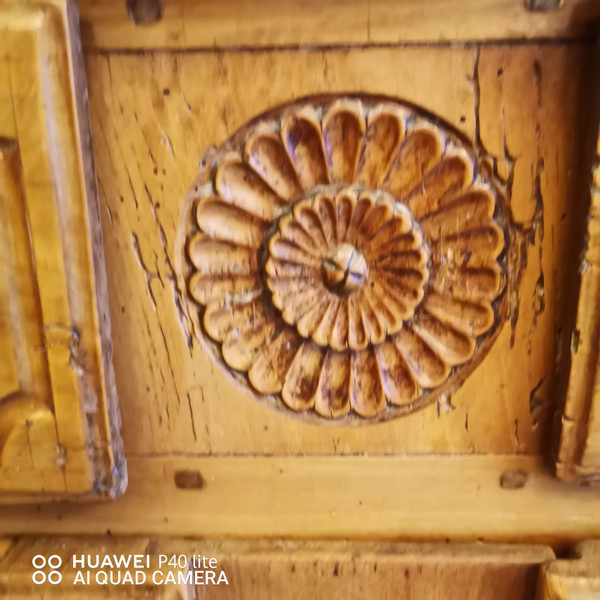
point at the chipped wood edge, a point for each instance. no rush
(577, 456)
(118, 477)
(95, 465)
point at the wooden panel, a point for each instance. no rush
(153, 115)
(209, 24)
(465, 498)
(57, 384)
(579, 445)
(284, 569)
(575, 579)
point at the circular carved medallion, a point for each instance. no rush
(345, 258)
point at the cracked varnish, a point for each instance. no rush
(154, 113)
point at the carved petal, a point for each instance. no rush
(474, 247)
(373, 318)
(404, 286)
(280, 269)
(267, 155)
(339, 333)
(409, 260)
(293, 298)
(419, 151)
(228, 223)
(323, 332)
(343, 131)
(452, 347)
(345, 204)
(268, 371)
(300, 387)
(384, 134)
(363, 206)
(467, 317)
(206, 289)
(212, 257)
(376, 217)
(311, 317)
(471, 284)
(469, 211)
(426, 366)
(389, 310)
(398, 383)
(394, 238)
(326, 209)
(240, 349)
(366, 391)
(237, 183)
(301, 136)
(287, 251)
(309, 219)
(294, 232)
(357, 333)
(220, 320)
(443, 183)
(333, 392)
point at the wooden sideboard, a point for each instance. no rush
(310, 288)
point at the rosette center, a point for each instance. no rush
(344, 270)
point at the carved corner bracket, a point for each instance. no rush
(346, 257)
(59, 422)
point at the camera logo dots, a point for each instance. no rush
(41, 563)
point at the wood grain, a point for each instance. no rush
(209, 24)
(578, 453)
(277, 569)
(154, 114)
(577, 578)
(57, 391)
(461, 498)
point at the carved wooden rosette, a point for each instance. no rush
(346, 258)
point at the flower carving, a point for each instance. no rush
(334, 273)
(346, 258)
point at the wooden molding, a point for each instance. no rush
(59, 423)
(436, 497)
(578, 455)
(574, 579)
(109, 25)
(274, 569)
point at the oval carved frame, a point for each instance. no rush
(346, 259)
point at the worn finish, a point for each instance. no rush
(575, 578)
(58, 416)
(234, 23)
(366, 269)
